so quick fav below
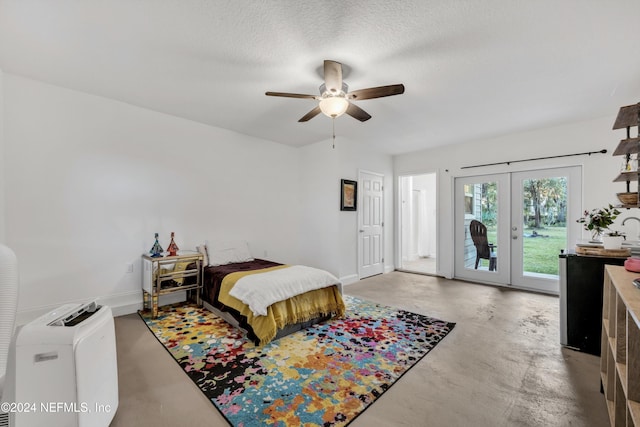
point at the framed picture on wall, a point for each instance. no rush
(348, 195)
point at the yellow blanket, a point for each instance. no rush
(300, 308)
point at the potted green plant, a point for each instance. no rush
(612, 240)
(599, 220)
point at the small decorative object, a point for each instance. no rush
(612, 240)
(632, 264)
(628, 198)
(348, 195)
(599, 220)
(172, 248)
(156, 249)
(629, 164)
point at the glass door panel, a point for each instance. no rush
(543, 200)
(480, 210)
(544, 225)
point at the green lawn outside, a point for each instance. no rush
(540, 253)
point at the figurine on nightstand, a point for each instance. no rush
(156, 250)
(172, 248)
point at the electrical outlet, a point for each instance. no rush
(266, 254)
(129, 268)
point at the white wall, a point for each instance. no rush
(89, 180)
(2, 168)
(598, 170)
(329, 235)
(319, 219)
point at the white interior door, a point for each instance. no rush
(370, 224)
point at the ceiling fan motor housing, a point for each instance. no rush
(324, 92)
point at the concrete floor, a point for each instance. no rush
(500, 366)
(421, 265)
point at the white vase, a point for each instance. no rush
(612, 242)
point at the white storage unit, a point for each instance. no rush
(62, 369)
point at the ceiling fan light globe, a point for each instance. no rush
(333, 106)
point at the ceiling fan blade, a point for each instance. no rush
(333, 76)
(357, 112)
(310, 115)
(376, 92)
(290, 95)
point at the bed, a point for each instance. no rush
(266, 299)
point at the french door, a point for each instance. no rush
(528, 217)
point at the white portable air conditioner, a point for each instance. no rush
(62, 370)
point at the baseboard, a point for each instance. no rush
(121, 304)
(351, 278)
(124, 304)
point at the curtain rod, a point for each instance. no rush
(603, 151)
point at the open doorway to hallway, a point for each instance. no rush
(418, 223)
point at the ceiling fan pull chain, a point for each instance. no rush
(333, 122)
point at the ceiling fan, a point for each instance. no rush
(335, 98)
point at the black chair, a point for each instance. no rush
(484, 249)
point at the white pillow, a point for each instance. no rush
(221, 253)
(203, 250)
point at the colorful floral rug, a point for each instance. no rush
(325, 375)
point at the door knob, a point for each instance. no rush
(362, 231)
(514, 237)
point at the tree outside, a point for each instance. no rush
(544, 221)
(545, 202)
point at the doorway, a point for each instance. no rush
(418, 231)
(523, 218)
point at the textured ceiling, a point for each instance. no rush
(472, 69)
